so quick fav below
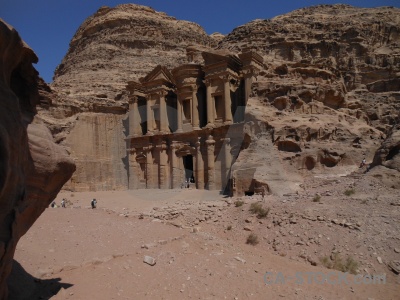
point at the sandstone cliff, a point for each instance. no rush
(112, 47)
(33, 168)
(116, 45)
(328, 96)
(330, 91)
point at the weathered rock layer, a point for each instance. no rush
(330, 91)
(327, 97)
(112, 47)
(116, 45)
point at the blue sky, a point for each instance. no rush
(48, 25)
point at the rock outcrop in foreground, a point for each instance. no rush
(33, 168)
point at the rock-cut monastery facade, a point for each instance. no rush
(186, 124)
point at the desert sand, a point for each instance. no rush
(82, 253)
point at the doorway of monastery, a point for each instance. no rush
(188, 168)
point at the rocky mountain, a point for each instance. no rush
(328, 96)
(111, 47)
(116, 45)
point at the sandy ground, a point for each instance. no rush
(198, 240)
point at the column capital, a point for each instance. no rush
(226, 141)
(207, 82)
(133, 99)
(147, 148)
(175, 145)
(162, 93)
(162, 146)
(198, 143)
(250, 72)
(225, 77)
(210, 140)
(247, 72)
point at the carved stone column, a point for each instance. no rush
(179, 114)
(163, 166)
(248, 79)
(227, 160)
(163, 112)
(199, 166)
(134, 120)
(149, 167)
(174, 166)
(210, 105)
(210, 162)
(195, 108)
(149, 117)
(227, 101)
(133, 170)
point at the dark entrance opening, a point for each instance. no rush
(249, 193)
(142, 114)
(188, 164)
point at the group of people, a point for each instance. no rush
(53, 204)
(63, 203)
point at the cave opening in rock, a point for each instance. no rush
(328, 162)
(288, 146)
(249, 193)
(393, 152)
(309, 163)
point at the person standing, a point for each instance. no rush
(94, 203)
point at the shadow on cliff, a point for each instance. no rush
(23, 286)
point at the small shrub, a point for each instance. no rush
(351, 265)
(252, 239)
(238, 203)
(257, 208)
(316, 198)
(337, 263)
(365, 201)
(326, 262)
(349, 192)
(229, 227)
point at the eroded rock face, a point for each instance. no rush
(327, 97)
(386, 163)
(33, 168)
(116, 45)
(112, 47)
(329, 93)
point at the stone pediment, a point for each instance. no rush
(221, 56)
(216, 62)
(159, 74)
